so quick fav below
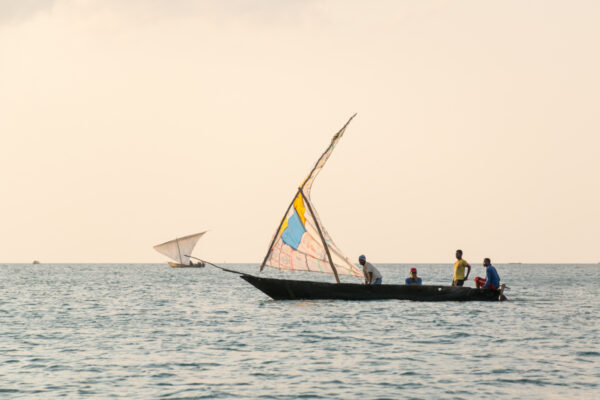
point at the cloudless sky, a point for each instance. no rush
(124, 124)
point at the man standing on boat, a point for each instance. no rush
(492, 279)
(372, 274)
(459, 269)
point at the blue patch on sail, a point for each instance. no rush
(292, 235)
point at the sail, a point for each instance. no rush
(301, 242)
(307, 184)
(180, 248)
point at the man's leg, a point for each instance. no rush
(479, 282)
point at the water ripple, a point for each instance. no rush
(149, 331)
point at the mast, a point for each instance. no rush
(179, 250)
(337, 279)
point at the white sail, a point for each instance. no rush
(180, 248)
(301, 242)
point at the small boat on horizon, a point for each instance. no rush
(35, 262)
(179, 250)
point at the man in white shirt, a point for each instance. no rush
(372, 274)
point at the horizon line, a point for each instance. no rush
(258, 263)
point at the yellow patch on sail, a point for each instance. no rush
(299, 206)
(300, 209)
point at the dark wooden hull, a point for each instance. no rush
(284, 289)
(177, 265)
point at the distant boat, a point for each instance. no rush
(35, 262)
(179, 250)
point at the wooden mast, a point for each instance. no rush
(307, 202)
(179, 251)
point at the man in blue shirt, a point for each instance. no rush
(413, 279)
(492, 279)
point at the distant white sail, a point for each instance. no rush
(180, 248)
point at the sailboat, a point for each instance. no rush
(301, 243)
(179, 250)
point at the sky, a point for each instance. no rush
(124, 124)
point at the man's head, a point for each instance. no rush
(362, 259)
(413, 273)
(486, 262)
(458, 254)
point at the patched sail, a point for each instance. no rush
(180, 248)
(301, 242)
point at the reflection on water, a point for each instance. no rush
(148, 331)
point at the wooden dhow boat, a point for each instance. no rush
(301, 243)
(179, 250)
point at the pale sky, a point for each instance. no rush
(124, 124)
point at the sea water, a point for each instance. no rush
(150, 331)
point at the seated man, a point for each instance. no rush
(413, 279)
(492, 279)
(372, 274)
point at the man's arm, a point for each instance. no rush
(468, 271)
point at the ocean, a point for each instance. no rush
(135, 331)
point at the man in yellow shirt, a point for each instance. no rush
(459, 270)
